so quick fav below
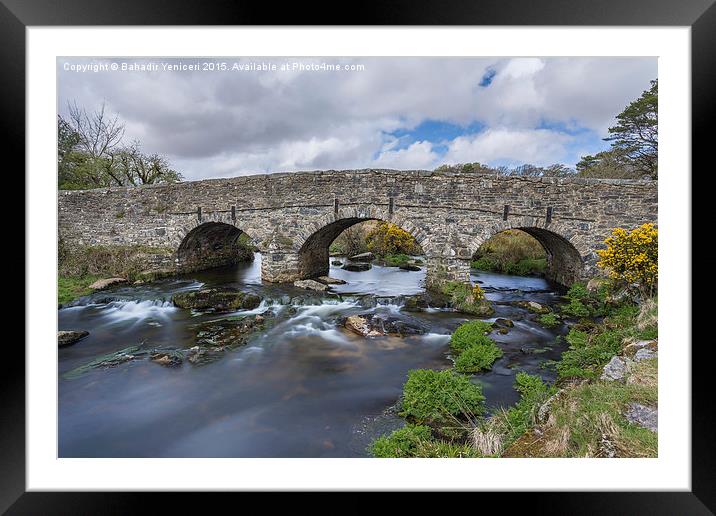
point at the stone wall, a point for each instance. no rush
(292, 217)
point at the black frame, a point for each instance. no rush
(15, 15)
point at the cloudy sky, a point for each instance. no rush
(403, 113)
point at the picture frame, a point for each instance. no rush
(700, 15)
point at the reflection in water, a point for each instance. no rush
(303, 388)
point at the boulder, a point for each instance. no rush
(532, 306)
(644, 354)
(220, 300)
(363, 257)
(615, 370)
(409, 267)
(633, 348)
(357, 267)
(337, 263)
(327, 280)
(310, 284)
(375, 325)
(102, 284)
(166, 359)
(68, 337)
(643, 416)
(505, 323)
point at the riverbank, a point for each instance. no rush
(603, 402)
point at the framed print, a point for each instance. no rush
(419, 253)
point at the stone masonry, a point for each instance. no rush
(293, 217)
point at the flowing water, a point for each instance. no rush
(305, 387)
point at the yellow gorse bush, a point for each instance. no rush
(388, 238)
(632, 256)
(477, 293)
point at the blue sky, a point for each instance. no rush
(404, 113)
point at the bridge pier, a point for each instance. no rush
(441, 269)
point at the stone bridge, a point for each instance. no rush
(293, 217)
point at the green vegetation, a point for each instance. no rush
(440, 397)
(91, 154)
(396, 260)
(417, 441)
(590, 349)
(384, 239)
(549, 320)
(467, 298)
(494, 435)
(582, 303)
(473, 349)
(72, 288)
(511, 252)
(588, 420)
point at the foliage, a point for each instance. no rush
(575, 308)
(440, 397)
(91, 154)
(590, 349)
(403, 442)
(472, 348)
(125, 261)
(632, 256)
(396, 260)
(549, 320)
(417, 441)
(466, 298)
(526, 170)
(533, 392)
(71, 288)
(511, 252)
(354, 240)
(387, 238)
(634, 150)
(480, 355)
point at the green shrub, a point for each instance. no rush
(575, 308)
(439, 397)
(479, 356)
(403, 442)
(485, 263)
(417, 441)
(466, 298)
(549, 320)
(578, 290)
(396, 260)
(466, 334)
(533, 393)
(473, 349)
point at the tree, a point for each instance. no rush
(608, 164)
(91, 154)
(636, 133)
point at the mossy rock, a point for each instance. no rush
(220, 300)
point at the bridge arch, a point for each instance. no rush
(212, 244)
(566, 253)
(313, 247)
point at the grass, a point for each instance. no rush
(69, 288)
(417, 441)
(462, 297)
(549, 320)
(588, 421)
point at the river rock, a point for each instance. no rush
(644, 354)
(631, 349)
(505, 323)
(644, 416)
(310, 284)
(102, 284)
(167, 359)
(357, 267)
(228, 333)
(616, 369)
(220, 300)
(337, 263)
(409, 267)
(327, 280)
(375, 325)
(68, 337)
(363, 257)
(532, 306)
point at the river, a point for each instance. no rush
(306, 387)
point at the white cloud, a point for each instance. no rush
(234, 123)
(538, 147)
